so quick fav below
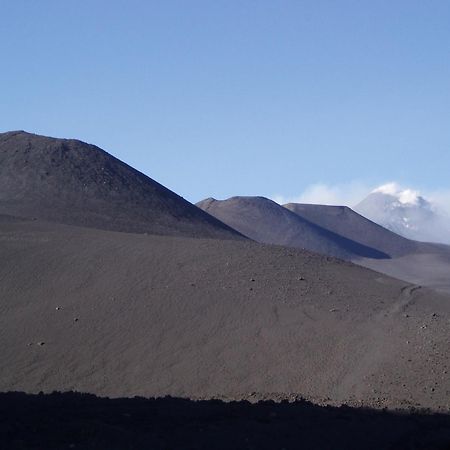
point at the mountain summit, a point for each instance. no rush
(403, 211)
(71, 182)
(265, 221)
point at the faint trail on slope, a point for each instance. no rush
(375, 350)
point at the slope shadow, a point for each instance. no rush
(358, 249)
(84, 421)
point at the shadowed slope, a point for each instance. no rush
(346, 222)
(71, 182)
(421, 263)
(81, 421)
(265, 221)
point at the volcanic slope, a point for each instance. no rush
(119, 314)
(71, 182)
(346, 222)
(267, 222)
(423, 263)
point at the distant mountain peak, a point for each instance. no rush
(403, 196)
(403, 211)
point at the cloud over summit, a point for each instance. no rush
(405, 210)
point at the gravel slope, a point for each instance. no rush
(122, 314)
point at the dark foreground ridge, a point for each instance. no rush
(83, 421)
(71, 182)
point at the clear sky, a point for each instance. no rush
(238, 97)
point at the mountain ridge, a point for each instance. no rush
(348, 223)
(265, 221)
(72, 182)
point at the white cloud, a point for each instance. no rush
(347, 194)
(441, 199)
(405, 196)
(351, 193)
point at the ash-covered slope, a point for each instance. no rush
(421, 263)
(346, 222)
(265, 221)
(121, 314)
(69, 181)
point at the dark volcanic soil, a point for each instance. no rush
(119, 314)
(68, 181)
(64, 421)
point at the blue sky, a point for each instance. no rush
(223, 97)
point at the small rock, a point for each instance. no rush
(57, 308)
(252, 279)
(41, 343)
(75, 319)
